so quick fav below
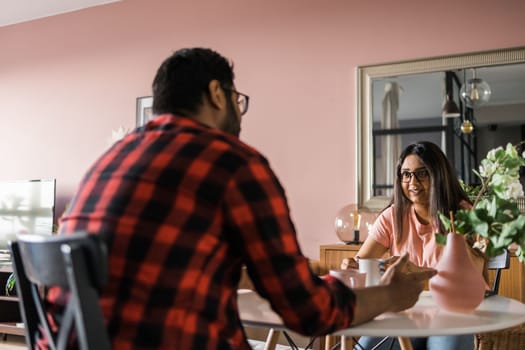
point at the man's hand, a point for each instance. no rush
(405, 281)
(398, 290)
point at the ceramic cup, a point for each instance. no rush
(353, 278)
(374, 269)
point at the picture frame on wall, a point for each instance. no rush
(144, 109)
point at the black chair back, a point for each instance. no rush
(76, 263)
(498, 263)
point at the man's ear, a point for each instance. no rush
(216, 94)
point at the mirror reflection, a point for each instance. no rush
(466, 107)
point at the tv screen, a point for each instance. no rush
(26, 207)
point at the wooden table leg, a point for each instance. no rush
(346, 343)
(329, 342)
(271, 339)
(343, 343)
(405, 343)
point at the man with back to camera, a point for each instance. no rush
(185, 205)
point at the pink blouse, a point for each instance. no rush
(418, 240)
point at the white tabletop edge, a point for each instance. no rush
(424, 319)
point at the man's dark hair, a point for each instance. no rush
(183, 78)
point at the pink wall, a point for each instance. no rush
(68, 80)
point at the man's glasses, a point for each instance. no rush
(420, 175)
(242, 100)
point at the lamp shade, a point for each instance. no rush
(347, 224)
(450, 109)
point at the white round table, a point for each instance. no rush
(423, 320)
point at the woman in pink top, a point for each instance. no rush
(425, 184)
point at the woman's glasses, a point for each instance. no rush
(420, 175)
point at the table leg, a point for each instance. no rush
(329, 342)
(271, 339)
(343, 343)
(405, 343)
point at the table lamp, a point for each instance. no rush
(347, 224)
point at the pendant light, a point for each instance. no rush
(450, 108)
(475, 92)
(467, 127)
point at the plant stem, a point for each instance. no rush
(484, 185)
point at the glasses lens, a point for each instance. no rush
(405, 176)
(421, 174)
(241, 101)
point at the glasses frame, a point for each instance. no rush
(414, 174)
(240, 103)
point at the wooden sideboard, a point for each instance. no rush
(512, 283)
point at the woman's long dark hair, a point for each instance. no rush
(446, 193)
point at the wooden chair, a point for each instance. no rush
(508, 339)
(512, 338)
(497, 264)
(77, 264)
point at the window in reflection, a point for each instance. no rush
(403, 114)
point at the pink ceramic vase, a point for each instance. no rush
(459, 286)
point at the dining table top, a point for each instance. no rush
(424, 319)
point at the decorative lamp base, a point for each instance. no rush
(356, 238)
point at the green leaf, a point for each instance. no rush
(10, 284)
(495, 216)
(441, 238)
(445, 220)
(520, 253)
(482, 228)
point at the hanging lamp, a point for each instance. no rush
(475, 92)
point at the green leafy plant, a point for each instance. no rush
(10, 284)
(495, 221)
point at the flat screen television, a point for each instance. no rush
(26, 207)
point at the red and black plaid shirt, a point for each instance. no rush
(185, 206)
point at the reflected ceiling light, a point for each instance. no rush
(475, 92)
(450, 108)
(467, 127)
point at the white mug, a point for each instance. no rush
(373, 268)
(351, 277)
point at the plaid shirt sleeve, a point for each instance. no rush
(259, 215)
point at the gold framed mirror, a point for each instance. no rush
(366, 75)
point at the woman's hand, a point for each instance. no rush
(409, 267)
(349, 263)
